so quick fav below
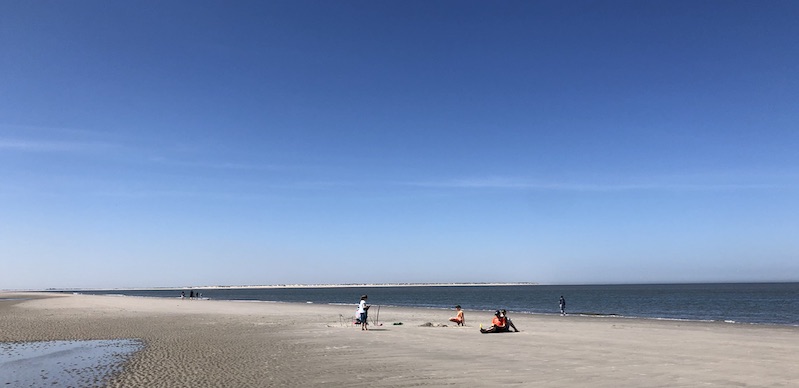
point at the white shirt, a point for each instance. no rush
(362, 307)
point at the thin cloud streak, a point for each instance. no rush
(263, 191)
(38, 146)
(60, 131)
(513, 184)
(176, 194)
(217, 165)
(66, 146)
(27, 138)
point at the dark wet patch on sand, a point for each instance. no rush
(63, 363)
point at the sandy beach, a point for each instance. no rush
(193, 343)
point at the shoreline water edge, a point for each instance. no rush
(744, 303)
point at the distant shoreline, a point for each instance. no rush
(273, 286)
(363, 285)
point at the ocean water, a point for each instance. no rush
(752, 303)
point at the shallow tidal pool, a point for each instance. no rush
(87, 363)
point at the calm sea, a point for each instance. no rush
(763, 303)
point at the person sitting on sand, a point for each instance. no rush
(458, 319)
(508, 323)
(498, 324)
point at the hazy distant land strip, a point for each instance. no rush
(345, 285)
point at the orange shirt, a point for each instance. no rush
(498, 322)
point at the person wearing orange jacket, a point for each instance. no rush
(498, 324)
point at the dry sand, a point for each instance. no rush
(190, 343)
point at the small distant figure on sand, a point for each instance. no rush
(498, 324)
(458, 318)
(182, 295)
(562, 304)
(363, 309)
(508, 322)
(191, 294)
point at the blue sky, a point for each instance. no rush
(178, 143)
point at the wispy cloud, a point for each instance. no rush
(121, 152)
(27, 145)
(535, 185)
(30, 138)
(221, 165)
(53, 131)
(254, 192)
(38, 146)
(174, 194)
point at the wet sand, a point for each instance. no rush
(78, 363)
(191, 343)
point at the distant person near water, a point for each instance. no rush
(363, 309)
(458, 318)
(562, 304)
(498, 324)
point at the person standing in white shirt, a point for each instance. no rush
(363, 308)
